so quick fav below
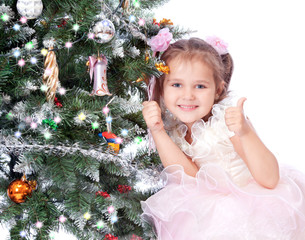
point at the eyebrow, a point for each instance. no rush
(181, 80)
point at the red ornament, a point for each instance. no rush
(57, 103)
(155, 22)
(109, 135)
(124, 188)
(103, 194)
(63, 23)
(110, 237)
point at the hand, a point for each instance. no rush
(152, 116)
(235, 119)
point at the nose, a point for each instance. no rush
(188, 93)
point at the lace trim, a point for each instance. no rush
(204, 134)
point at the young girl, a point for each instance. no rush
(221, 181)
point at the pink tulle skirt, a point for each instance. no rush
(210, 206)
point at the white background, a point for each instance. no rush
(267, 42)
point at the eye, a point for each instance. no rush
(176, 85)
(200, 86)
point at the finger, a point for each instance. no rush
(240, 103)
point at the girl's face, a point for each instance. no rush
(189, 90)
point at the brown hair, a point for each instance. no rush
(221, 65)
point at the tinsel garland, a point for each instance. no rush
(147, 179)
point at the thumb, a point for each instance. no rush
(240, 102)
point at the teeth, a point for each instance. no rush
(187, 107)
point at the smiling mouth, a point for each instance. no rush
(187, 107)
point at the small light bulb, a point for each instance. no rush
(87, 216)
(22, 234)
(82, 116)
(68, 45)
(17, 134)
(91, 35)
(114, 219)
(76, 27)
(100, 224)
(23, 20)
(16, 27)
(105, 110)
(33, 60)
(95, 125)
(132, 18)
(109, 119)
(44, 88)
(44, 52)
(138, 140)
(62, 91)
(39, 224)
(118, 140)
(5, 17)
(110, 209)
(136, 3)
(141, 22)
(21, 62)
(29, 45)
(57, 119)
(16, 53)
(62, 219)
(47, 135)
(124, 132)
(33, 125)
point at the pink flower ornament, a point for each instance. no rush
(161, 41)
(218, 44)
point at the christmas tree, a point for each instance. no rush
(73, 142)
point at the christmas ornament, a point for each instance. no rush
(98, 67)
(111, 140)
(51, 123)
(110, 237)
(29, 8)
(50, 76)
(124, 188)
(57, 102)
(162, 67)
(63, 23)
(163, 22)
(144, 78)
(125, 4)
(103, 194)
(19, 189)
(103, 31)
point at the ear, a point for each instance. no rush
(220, 89)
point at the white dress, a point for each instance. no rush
(223, 201)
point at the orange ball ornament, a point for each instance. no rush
(18, 190)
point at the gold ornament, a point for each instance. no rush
(20, 189)
(165, 21)
(125, 4)
(114, 147)
(143, 78)
(146, 56)
(162, 67)
(50, 76)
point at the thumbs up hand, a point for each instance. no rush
(235, 118)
